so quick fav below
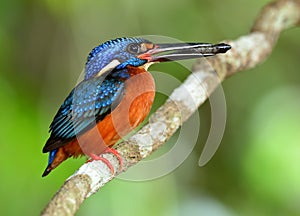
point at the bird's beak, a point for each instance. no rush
(180, 51)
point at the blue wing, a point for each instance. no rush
(88, 103)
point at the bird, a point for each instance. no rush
(114, 97)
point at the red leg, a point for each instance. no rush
(116, 153)
(104, 160)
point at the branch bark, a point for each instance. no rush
(247, 52)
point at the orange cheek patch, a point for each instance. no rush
(149, 46)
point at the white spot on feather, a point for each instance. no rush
(113, 64)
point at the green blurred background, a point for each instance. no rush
(43, 47)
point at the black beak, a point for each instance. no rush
(180, 51)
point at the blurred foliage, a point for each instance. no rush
(43, 49)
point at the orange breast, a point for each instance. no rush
(129, 113)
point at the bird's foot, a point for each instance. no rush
(107, 162)
(104, 160)
(115, 153)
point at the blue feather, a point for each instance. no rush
(105, 53)
(87, 103)
(52, 156)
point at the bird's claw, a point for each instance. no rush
(107, 162)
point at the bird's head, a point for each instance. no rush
(115, 55)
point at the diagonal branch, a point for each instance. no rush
(247, 52)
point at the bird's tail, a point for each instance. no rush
(53, 162)
(47, 171)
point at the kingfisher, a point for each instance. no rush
(114, 97)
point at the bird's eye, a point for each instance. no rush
(133, 48)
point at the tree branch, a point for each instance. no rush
(247, 52)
